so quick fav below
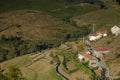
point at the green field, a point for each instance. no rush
(38, 70)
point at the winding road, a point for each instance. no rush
(60, 73)
(105, 70)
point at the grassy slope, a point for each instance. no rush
(73, 10)
(55, 7)
(54, 28)
(35, 25)
(8, 5)
(103, 18)
(41, 25)
(109, 16)
(39, 70)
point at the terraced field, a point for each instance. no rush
(34, 67)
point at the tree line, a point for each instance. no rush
(21, 47)
(79, 32)
(117, 1)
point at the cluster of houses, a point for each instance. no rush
(93, 57)
(96, 36)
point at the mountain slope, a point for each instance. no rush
(32, 25)
(107, 16)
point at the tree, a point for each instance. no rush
(3, 37)
(14, 73)
(102, 6)
(68, 36)
(3, 54)
(2, 76)
(118, 1)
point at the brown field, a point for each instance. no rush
(32, 25)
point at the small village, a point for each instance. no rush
(60, 40)
(93, 55)
(79, 59)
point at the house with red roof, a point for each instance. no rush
(100, 52)
(97, 35)
(94, 37)
(86, 56)
(102, 33)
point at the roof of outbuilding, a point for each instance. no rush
(102, 49)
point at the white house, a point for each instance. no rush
(85, 56)
(94, 37)
(98, 35)
(115, 30)
(100, 52)
(102, 33)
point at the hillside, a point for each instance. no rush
(37, 27)
(38, 67)
(31, 70)
(42, 5)
(39, 35)
(101, 18)
(32, 25)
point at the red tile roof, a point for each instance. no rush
(102, 32)
(80, 44)
(102, 49)
(92, 34)
(89, 56)
(85, 54)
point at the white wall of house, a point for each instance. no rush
(117, 33)
(92, 38)
(93, 62)
(98, 54)
(105, 34)
(80, 57)
(98, 37)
